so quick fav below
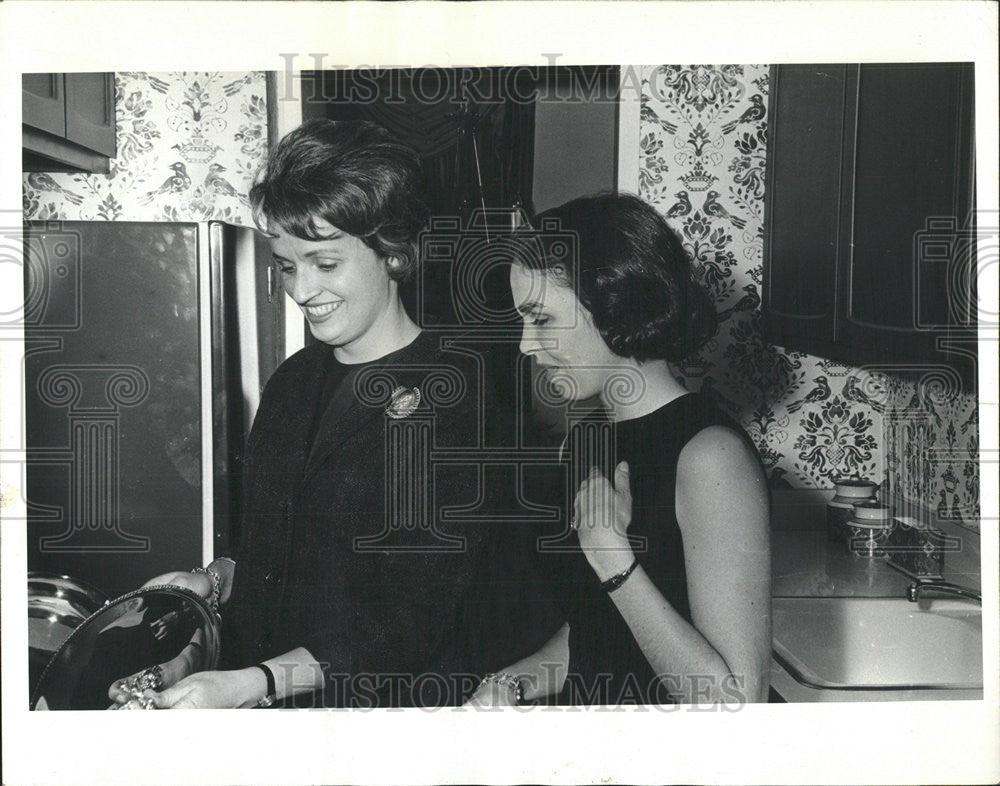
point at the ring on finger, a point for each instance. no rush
(150, 679)
(129, 685)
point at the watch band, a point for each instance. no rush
(271, 696)
(610, 585)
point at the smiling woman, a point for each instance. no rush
(350, 586)
(344, 289)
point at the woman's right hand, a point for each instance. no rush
(170, 673)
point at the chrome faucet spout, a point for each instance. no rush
(915, 590)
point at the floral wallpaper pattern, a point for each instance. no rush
(189, 143)
(703, 141)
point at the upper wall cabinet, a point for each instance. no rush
(869, 245)
(68, 122)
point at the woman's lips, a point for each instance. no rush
(320, 312)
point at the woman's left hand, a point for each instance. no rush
(602, 514)
(212, 690)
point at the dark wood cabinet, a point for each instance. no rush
(869, 235)
(68, 122)
(43, 102)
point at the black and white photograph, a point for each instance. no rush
(480, 410)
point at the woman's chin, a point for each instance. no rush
(567, 390)
(321, 332)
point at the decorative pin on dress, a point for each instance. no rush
(403, 402)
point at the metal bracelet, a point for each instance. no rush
(506, 680)
(213, 599)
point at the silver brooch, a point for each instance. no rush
(403, 402)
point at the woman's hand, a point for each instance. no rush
(602, 514)
(213, 690)
(161, 676)
(199, 583)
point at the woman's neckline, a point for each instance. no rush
(386, 357)
(659, 410)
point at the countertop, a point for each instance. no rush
(805, 563)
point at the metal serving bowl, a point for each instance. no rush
(57, 605)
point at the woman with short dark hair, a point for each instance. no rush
(366, 573)
(355, 176)
(663, 571)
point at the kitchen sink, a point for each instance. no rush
(879, 644)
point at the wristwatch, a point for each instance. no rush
(271, 696)
(610, 585)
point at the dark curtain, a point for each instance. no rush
(474, 132)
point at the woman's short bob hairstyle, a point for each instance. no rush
(356, 176)
(631, 273)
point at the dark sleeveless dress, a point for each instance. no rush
(606, 664)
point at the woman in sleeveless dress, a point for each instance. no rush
(663, 567)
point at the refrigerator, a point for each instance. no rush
(146, 348)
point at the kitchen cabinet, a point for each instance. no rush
(68, 122)
(869, 248)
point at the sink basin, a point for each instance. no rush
(879, 643)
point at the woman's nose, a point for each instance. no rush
(529, 341)
(300, 285)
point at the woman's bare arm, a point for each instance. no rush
(542, 674)
(722, 508)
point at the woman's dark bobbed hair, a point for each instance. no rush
(632, 274)
(356, 176)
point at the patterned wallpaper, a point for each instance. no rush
(189, 143)
(703, 139)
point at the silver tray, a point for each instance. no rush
(140, 629)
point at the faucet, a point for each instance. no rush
(914, 591)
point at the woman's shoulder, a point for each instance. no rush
(716, 444)
(719, 463)
(297, 375)
(309, 359)
(711, 442)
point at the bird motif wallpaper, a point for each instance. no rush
(703, 142)
(189, 143)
